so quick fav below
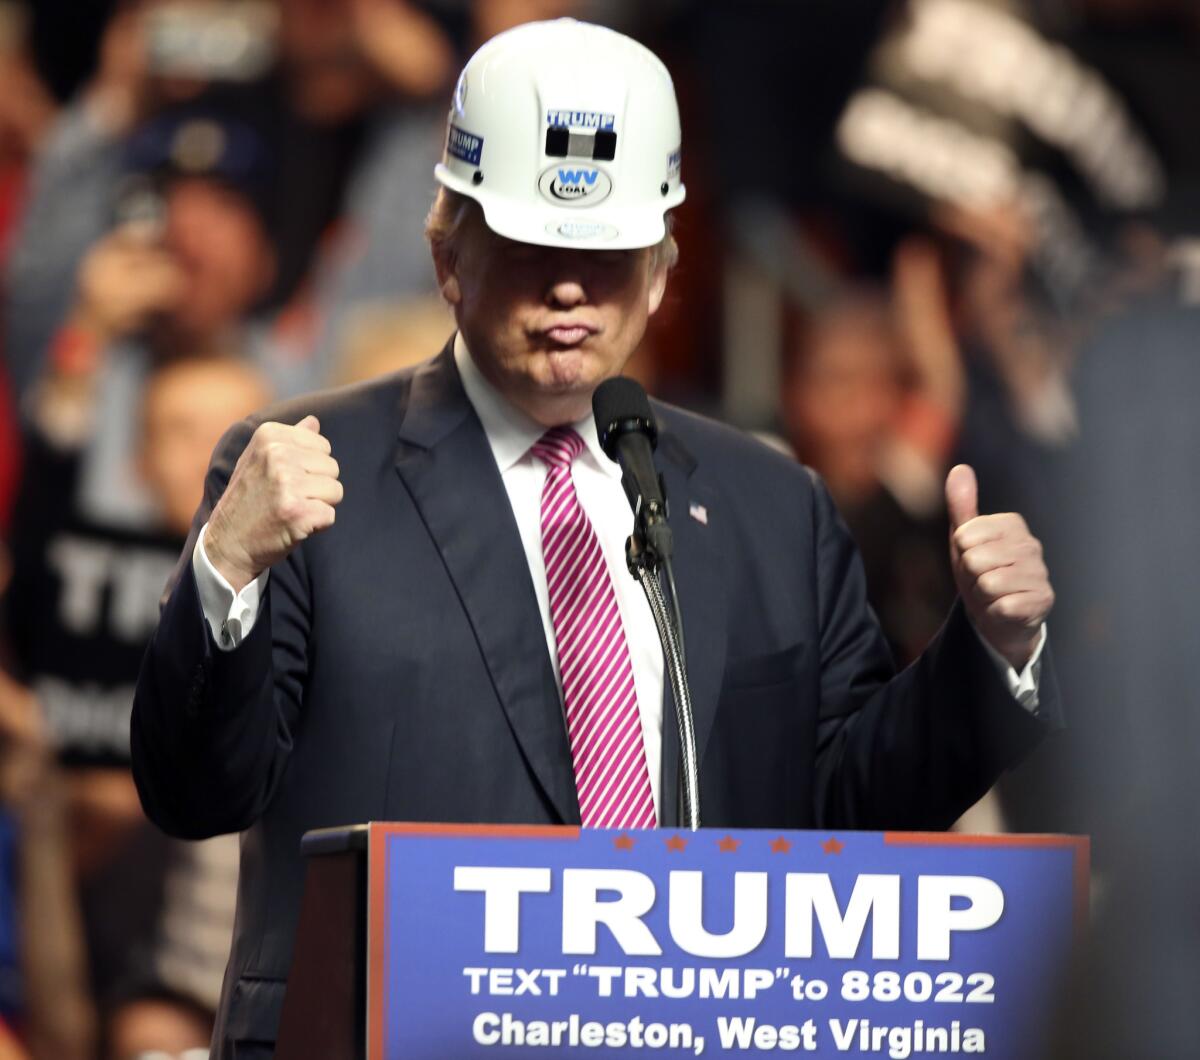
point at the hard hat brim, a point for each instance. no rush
(595, 228)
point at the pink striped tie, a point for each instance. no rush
(603, 723)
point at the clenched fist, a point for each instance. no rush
(999, 571)
(283, 489)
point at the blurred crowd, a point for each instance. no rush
(917, 232)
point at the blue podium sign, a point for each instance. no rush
(498, 941)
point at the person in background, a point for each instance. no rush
(352, 95)
(385, 337)
(68, 204)
(316, 77)
(872, 400)
(188, 256)
(180, 274)
(82, 605)
(93, 534)
(46, 992)
(39, 901)
(167, 1003)
(27, 112)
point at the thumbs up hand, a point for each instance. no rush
(999, 571)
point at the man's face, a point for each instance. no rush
(223, 250)
(186, 408)
(547, 325)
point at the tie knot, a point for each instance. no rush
(558, 447)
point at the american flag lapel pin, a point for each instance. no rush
(699, 513)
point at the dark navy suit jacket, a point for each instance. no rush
(398, 669)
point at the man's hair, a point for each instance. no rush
(451, 210)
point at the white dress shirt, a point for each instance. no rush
(510, 434)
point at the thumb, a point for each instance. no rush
(310, 423)
(962, 495)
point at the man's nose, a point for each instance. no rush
(566, 291)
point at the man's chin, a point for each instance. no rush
(560, 390)
(567, 371)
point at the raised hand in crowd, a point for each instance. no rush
(495, 16)
(933, 409)
(124, 282)
(404, 45)
(128, 86)
(119, 95)
(1029, 347)
(998, 567)
(27, 109)
(284, 489)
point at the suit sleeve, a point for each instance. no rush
(212, 730)
(914, 750)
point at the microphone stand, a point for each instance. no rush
(645, 563)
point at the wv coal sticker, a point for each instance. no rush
(567, 185)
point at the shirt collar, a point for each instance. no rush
(510, 432)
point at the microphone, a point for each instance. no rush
(628, 435)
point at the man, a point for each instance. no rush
(81, 610)
(464, 643)
(171, 986)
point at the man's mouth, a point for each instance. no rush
(567, 334)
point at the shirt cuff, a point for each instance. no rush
(1023, 686)
(230, 616)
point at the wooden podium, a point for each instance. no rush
(324, 1010)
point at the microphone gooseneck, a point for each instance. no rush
(628, 434)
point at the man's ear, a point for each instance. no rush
(658, 284)
(445, 265)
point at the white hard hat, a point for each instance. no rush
(566, 134)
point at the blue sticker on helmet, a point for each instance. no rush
(581, 119)
(464, 145)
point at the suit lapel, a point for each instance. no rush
(447, 466)
(700, 580)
